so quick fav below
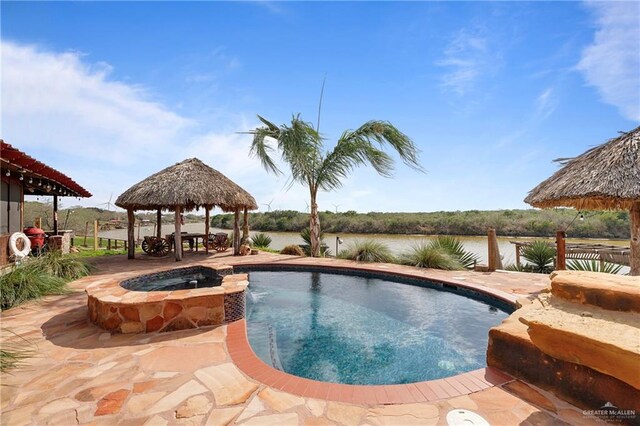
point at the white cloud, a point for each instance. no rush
(105, 134)
(612, 62)
(466, 58)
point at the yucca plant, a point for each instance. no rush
(454, 247)
(540, 256)
(430, 255)
(593, 266)
(367, 251)
(305, 234)
(261, 240)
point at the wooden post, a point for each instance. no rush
(560, 251)
(634, 256)
(236, 233)
(245, 227)
(86, 231)
(206, 229)
(108, 243)
(518, 255)
(178, 237)
(131, 223)
(159, 224)
(495, 262)
(55, 215)
(95, 235)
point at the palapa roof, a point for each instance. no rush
(606, 177)
(190, 184)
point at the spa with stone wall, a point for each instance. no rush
(119, 310)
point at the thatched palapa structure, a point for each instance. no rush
(184, 187)
(606, 177)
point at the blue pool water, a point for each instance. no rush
(356, 330)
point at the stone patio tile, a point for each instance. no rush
(280, 401)
(58, 405)
(254, 407)
(421, 411)
(345, 414)
(172, 400)
(156, 421)
(222, 416)
(97, 370)
(273, 420)
(228, 384)
(183, 358)
(18, 416)
(197, 405)
(139, 403)
(95, 392)
(318, 421)
(316, 406)
(112, 402)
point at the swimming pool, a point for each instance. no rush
(365, 330)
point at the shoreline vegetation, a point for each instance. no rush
(520, 223)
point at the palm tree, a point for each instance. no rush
(301, 147)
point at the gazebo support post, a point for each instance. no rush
(131, 223)
(245, 227)
(495, 262)
(178, 236)
(561, 263)
(55, 215)
(206, 229)
(634, 256)
(236, 233)
(159, 223)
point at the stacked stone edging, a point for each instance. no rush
(553, 342)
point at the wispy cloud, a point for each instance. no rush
(611, 63)
(466, 58)
(545, 104)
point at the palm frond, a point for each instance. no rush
(454, 246)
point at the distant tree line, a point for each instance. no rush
(526, 223)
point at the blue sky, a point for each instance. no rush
(491, 92)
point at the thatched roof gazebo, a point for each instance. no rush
(186, 186)
(606, 177)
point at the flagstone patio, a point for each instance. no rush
(81, 374)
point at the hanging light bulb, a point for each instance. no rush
(30, 180)
(8, 173)
(40, 183)
(21, 177)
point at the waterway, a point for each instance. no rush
(396, 243)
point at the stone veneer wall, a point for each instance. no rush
(167, 315)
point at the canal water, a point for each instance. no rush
(396, 243)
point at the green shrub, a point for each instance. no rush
(68, 267)
(367, 251)
(25, 282)
(593, 266)
(13, 352)
(454, 247)
(292, 249)
(261, 240)
(539, 256)
(430, 255)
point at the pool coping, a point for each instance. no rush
(249, 363)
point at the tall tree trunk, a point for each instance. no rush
(635, 239)
(314, 226)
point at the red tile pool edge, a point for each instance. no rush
(462, 384)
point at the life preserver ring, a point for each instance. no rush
(13, 246)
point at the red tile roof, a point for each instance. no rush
(17, 161)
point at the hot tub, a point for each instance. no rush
(174, 299)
